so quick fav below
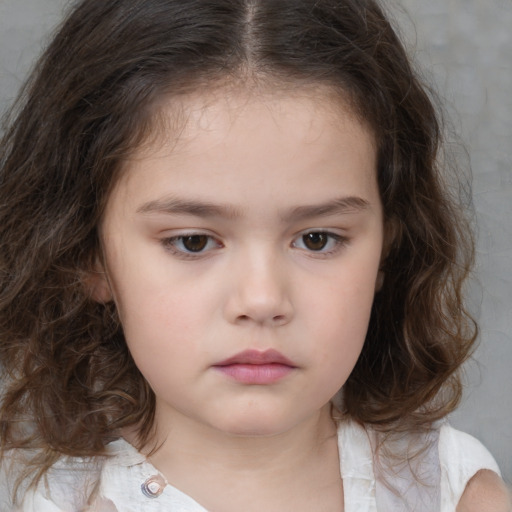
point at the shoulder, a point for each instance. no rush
(470, 477)
(485, 492)
(65, 486)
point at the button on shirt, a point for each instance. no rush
(125, 481)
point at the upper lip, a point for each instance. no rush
(270, 356)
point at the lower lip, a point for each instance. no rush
(256, 373)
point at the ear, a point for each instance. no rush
(391, 237)
(379, 282)
(98, 284)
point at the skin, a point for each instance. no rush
(271, 169)
(251, 177)
(485, 492)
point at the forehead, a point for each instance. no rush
(233, 143)
(174, 120)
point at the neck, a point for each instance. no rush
(185, 439)
(206, 463)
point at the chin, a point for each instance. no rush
(255, 426)
(253, 431)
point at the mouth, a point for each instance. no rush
(255, 367)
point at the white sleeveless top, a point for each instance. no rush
(127, 482)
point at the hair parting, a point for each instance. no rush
(70, 385)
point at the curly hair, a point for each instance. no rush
(69, 382)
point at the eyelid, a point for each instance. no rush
(339, 240)
(169, 243)
(336, 242)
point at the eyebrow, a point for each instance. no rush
(175, 206)
(343, 205)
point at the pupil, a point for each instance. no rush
(195, 243)
(315, 241)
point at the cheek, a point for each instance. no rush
(339, 318)
(162, 341)
(164, 318)
(160, 322)
(149, 293)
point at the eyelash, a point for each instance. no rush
(336, 241)
(171, 245)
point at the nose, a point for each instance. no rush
(259, 291)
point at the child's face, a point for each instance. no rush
(260, 230)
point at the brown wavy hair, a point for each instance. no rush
(69, 382)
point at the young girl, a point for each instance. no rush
(231, 269)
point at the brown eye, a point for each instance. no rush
(195, 243)
(315, 241)
(191, 245)
(325, 243)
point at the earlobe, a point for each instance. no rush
(379, 282)
(100, 288)
(391, 237)
(98, 285)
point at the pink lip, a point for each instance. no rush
(255, 367)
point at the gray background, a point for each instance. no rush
(465, 48)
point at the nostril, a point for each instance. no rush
(277, 319)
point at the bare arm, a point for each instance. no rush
(485, 492)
